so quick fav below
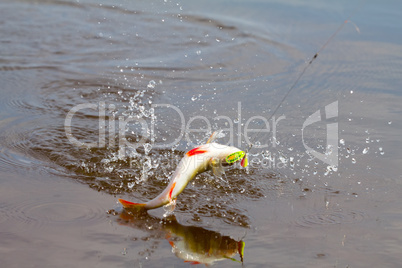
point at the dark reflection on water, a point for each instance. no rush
(193, 244)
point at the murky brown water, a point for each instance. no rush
(145, 71)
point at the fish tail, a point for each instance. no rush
(130, 205)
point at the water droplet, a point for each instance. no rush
(292, 163)
(389, 122)
(277, 141)
(147, 148)
(198, 52)
(353, 161)
(151, 84)
(329, 150)
(351, 92)
(365, 150)
(330, 168)
(109, 169)
(283, 159)
(169, 208)
(342, 141)
(193, 98)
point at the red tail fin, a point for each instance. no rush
(131, 205)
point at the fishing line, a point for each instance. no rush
(315, 56)
(250, 145)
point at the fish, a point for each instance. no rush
(192, 244)
(210, 156)
(196, 245)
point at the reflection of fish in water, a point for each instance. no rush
(208, 156)
(198, 245)
(193, 244)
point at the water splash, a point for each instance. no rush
(151, 84)
(169, 208)
(147, 148)
(366, 150)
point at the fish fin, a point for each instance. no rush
(193, 262)
(196, 151)
(130, 205)
(214, 136)
(217, 167)
(171, 191)
(232, 259)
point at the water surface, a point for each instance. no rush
(178, 66)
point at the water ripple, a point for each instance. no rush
(43, 214)
(112, 61)
(329, 217)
